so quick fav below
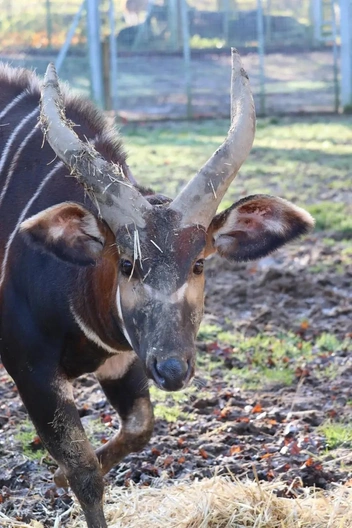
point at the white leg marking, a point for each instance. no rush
(91, 335)
(116, 367)
(8, 146)
(13, 103)
(22, 217)
(119, 311)
(14, 162)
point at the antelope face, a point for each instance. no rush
(160, 294)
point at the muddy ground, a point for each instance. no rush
(268, 430)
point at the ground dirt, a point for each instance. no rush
(268, 431)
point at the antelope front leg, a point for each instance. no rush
(49, 402)
(126, 387)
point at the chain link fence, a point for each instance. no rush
(173, 58)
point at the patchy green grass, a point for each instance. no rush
(168, 405)
(307, 160)
(337, 434)
(32, 448)
(266, 359)
(26, 437)
(333, 216)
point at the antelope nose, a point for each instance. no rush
(172, 373)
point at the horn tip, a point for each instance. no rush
(50, 74)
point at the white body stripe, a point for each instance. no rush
(22, 217)
(14, 163)
(8, 145)
(116, 366)
(12, 104)
(91, 335)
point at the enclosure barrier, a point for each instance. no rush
(161, 59)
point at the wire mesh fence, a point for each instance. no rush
(173, 58)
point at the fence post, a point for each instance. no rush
(261, 52)
(335, 58)
(317, 13)
(49, 26)
(186, 55)
(94, 49)
(63, 51)
(113, 58)
(346, 53)
(106, 73)
(173, 23)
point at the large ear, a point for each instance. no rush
(255, 226)
(69, 231)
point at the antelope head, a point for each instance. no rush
(161, 244)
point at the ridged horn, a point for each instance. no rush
(199, 200)
(118, 201)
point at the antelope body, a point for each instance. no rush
(100, 275)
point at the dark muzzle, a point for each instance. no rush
(171, 374)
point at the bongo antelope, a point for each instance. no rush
(101, 275)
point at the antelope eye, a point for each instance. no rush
(198, 267)
(126, 267)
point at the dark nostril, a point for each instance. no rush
(172, 373)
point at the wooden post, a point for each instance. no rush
(106, 73)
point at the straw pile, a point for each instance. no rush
(218, 503)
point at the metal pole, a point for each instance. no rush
(113, 58)
(94, 50)
(335, 57)
(226, 21)
(172, 20)
(346, 52)
(317, 19)
(105, 45)
(49, 27)
(63, 52)
(268, 22)
(186, 55)
(261, 52)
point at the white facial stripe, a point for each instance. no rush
(172, 298)
(59, 165)
(116, 366)
(91, 335)
(119, 311)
